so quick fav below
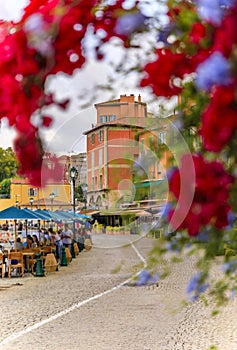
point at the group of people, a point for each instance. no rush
(61, 237)
(66, 238)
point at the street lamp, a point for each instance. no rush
(31, 202)
(73, 176)
(17, 204)
(51, 196)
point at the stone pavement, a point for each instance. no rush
(139, 318)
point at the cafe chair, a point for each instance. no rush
(87, 244)
(15, 261)
(76, 249)
(68, 255)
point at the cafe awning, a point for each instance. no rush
(148, 183)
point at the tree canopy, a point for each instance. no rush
(8, 164)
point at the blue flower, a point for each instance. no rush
(191, 287)
(145, 278)
(232, 293)
(165, 32)
(213, 71)
(165, 210)
(129, 23)
(227, 3)
(196, 286)
(203, 236)
(213, 10)
(173, 246)
(229, 267)
(231, 218)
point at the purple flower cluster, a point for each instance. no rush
(196, 286)
(145, 278)
(173, 246)
(229, 267)
(214, 71)
(213, 10)
(130, 23)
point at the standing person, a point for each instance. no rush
(58, 243)
(67, 237)
(80, 240)
(88, 225)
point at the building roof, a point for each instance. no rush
(124, 99)
(123, 122)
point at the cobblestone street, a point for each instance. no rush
(84, 306)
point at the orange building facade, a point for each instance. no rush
(127, 154)
(112, 150)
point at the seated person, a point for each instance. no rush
(29, 242)
(35, 242)
(19, 244)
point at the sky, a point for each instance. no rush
(65, 136)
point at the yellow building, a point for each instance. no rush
(23, 195)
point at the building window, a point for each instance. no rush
(100, 135)
(92, 159)
(100, 157)
(162, 137)
(107, 118)
(159, 169)
(93, 183)
(92, 139)
(32, 192)
(101, 183)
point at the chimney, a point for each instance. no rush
(139, 98)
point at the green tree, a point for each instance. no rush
(79, 193)
(8, 163)
(5, 186)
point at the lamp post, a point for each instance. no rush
(73, 176)
(31, 202)
(51, 196)
(17, 204)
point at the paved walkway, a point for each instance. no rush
(80, 307)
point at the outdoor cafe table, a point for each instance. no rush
(27, 255)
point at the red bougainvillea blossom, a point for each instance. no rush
(211, 193)
(49, 38)
(219, 120)
(161, 74)
(198, 32)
